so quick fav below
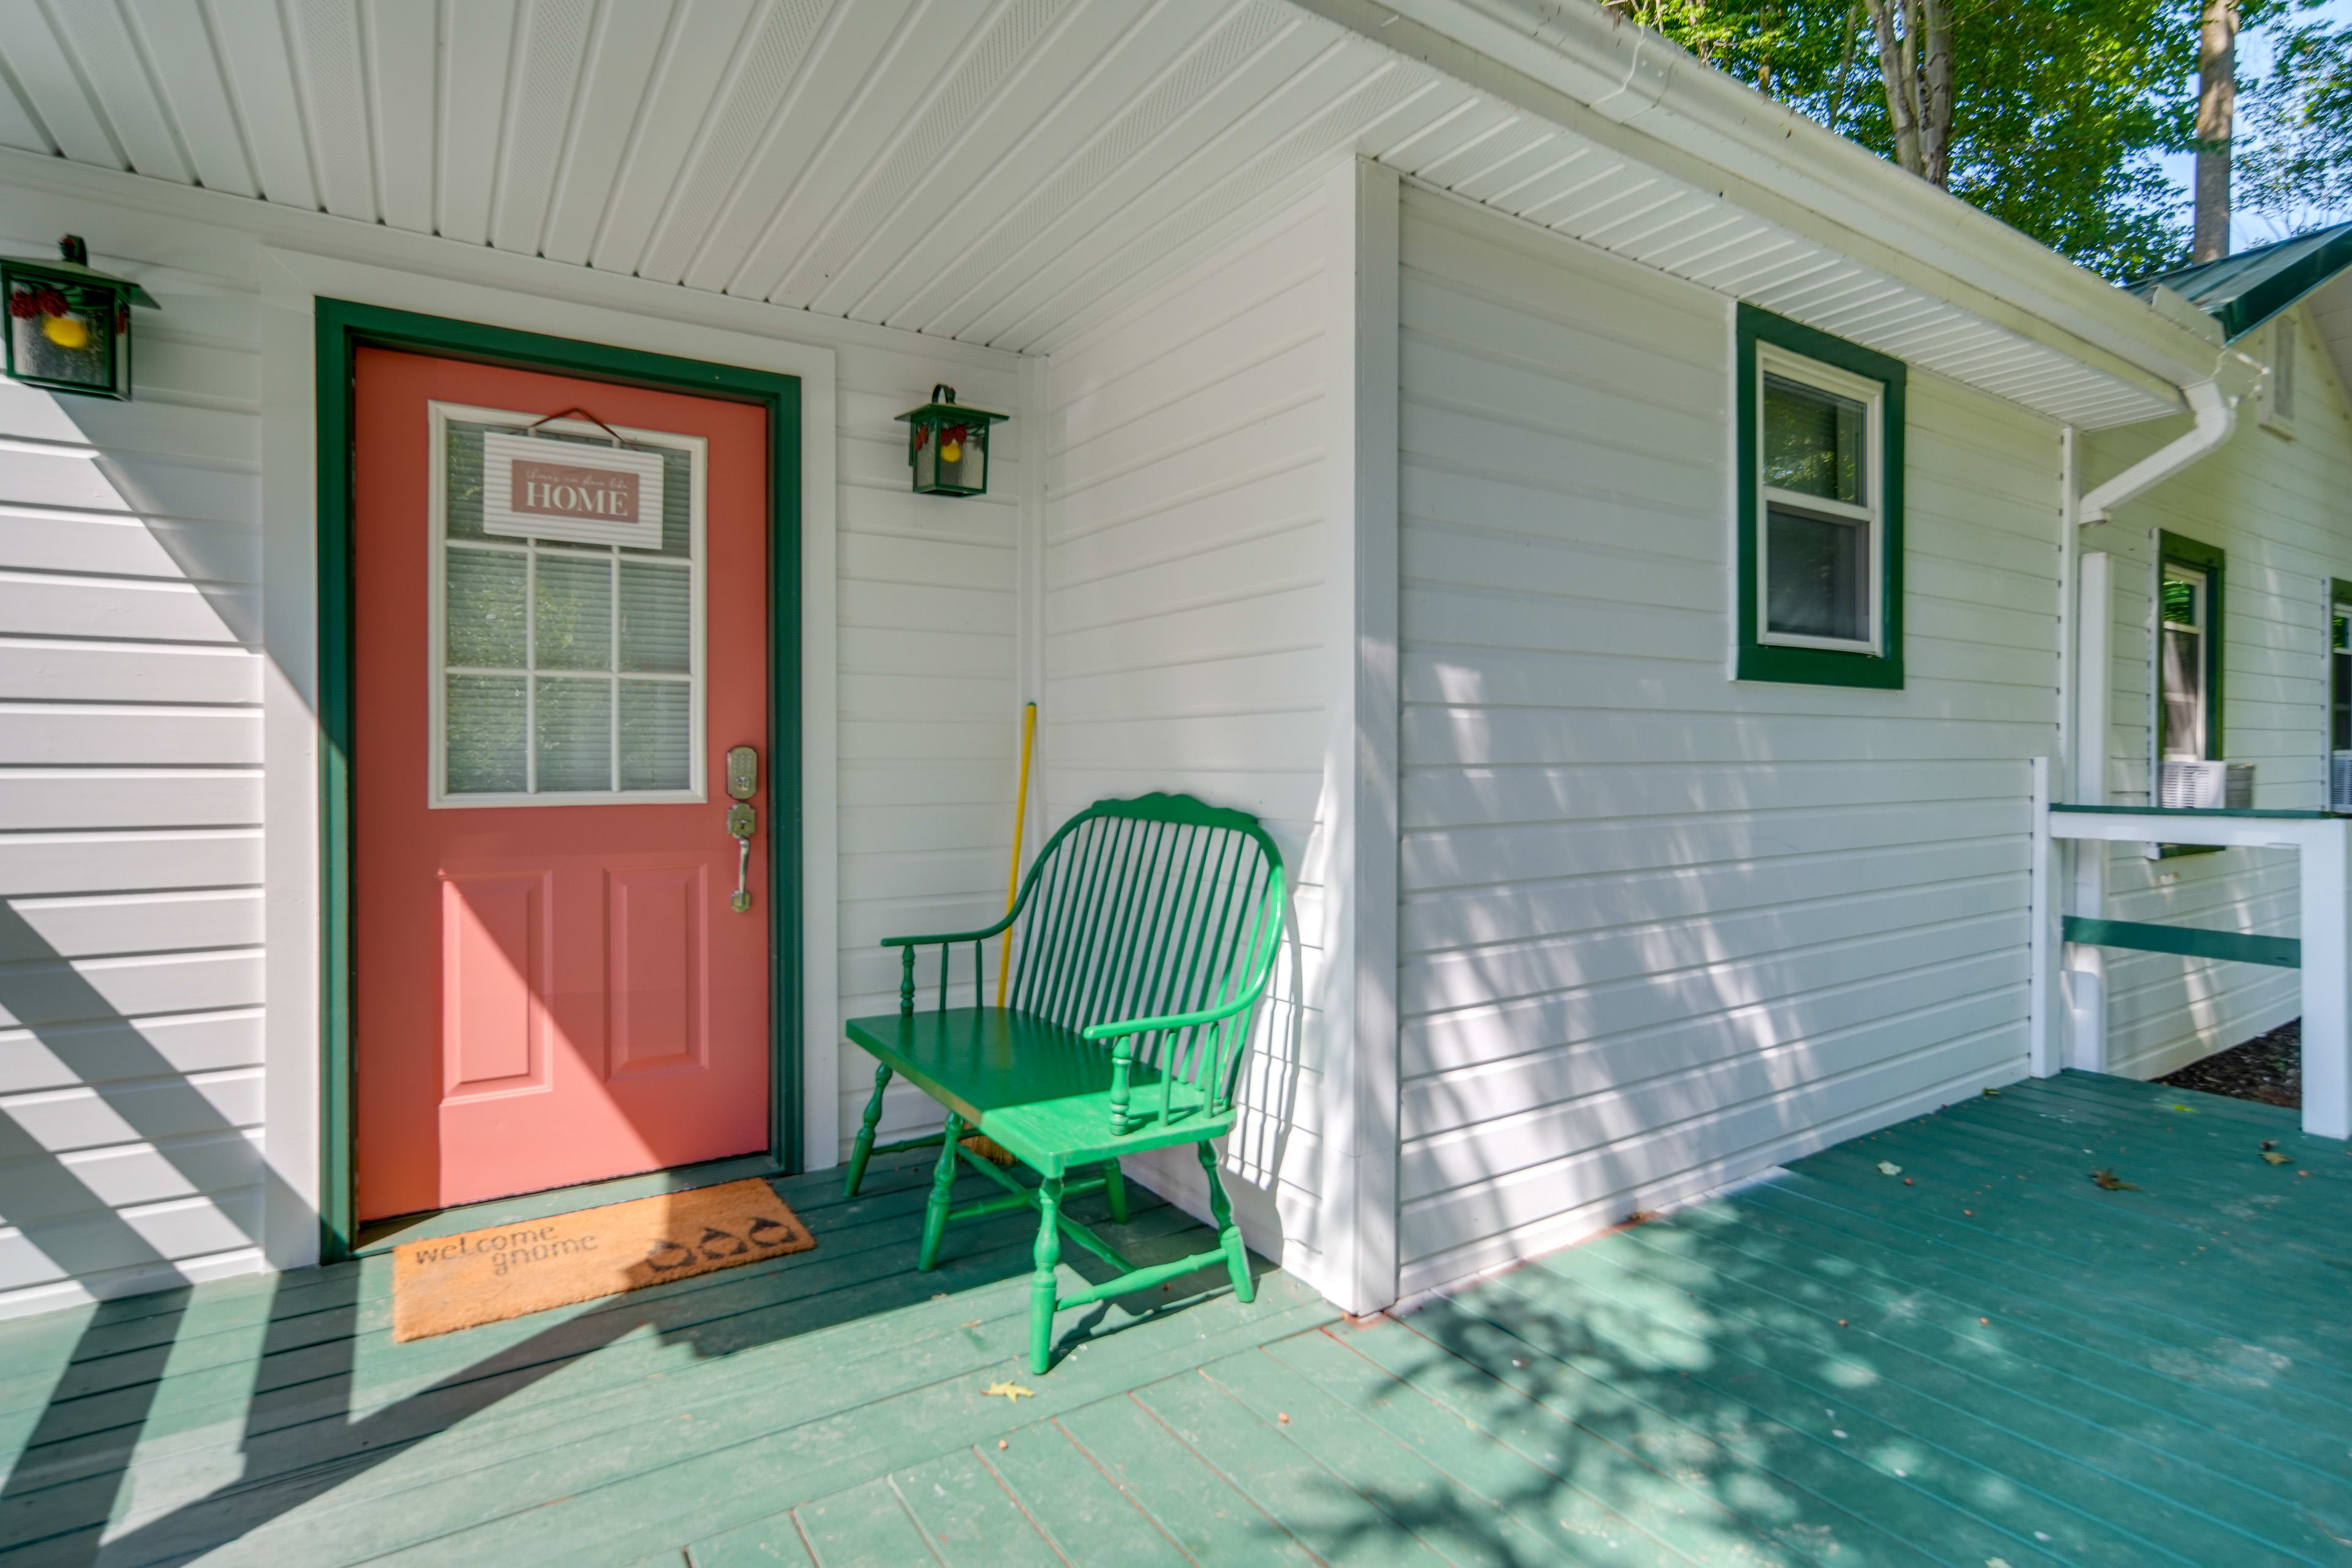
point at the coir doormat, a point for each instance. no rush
(487, 1276)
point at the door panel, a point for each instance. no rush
(655, 981)
(494, 975)
(550, 984)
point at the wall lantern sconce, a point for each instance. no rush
(69, 325)
(947, 446)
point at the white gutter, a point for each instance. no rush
(2214, 401)
(2216, 419)
(1576, 64)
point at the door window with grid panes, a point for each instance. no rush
(566, 672)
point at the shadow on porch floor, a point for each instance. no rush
(1998, 1361)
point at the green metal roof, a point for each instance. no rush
(2244, 290)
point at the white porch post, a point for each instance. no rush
(2326, 868)
(2085, 978)
(1359, 766)
(2323, 846)
(2045, 1035)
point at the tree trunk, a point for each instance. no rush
(1845, 65)
(2217, 108)
(1936, 106)
(1901, 84)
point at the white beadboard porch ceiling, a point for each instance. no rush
(1000, 171)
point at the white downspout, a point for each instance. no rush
(2086, 671)
(2217, 420)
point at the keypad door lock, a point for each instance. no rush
(742, 819)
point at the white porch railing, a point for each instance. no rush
(2322, 842)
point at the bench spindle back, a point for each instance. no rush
(1154, 907)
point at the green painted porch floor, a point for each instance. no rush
(1997, 1362)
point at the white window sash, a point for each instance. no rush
(1772, 359)
(2200, 585)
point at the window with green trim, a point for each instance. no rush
(2188, 652)
(1821, 507)
(2339, 696)
(2339, 669)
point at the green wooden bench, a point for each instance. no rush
(1143, 937)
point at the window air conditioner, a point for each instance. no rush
(2339, 783)
(2207, 786)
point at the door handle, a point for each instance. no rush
(742, 819)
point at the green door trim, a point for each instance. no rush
(341, 329)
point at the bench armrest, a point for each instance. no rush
(951, 937)
(1175, 1020)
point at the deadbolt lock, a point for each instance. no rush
(742, 772)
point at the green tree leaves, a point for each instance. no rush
(2060, 108)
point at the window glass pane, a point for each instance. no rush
(573, 613)
(2180, 601)
(2180, 715)
(484, 716)
(1813, 441)
(462, 508)
(2340, 725)
(575, 734)
(656, 617)
(485, 608)
(657, 734)
(539, 608)
(2339, 680)
(1818, 576)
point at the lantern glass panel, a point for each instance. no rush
(963, 458)
(64, 334)
(926, 457)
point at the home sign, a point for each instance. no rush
(568, 490)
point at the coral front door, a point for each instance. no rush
(560, 699)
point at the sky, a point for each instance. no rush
(2254, 59)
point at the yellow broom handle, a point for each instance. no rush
(1019, 821)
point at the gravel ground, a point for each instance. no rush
(2268, 1067)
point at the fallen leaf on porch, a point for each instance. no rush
(2269, 1142)
(1889, 1168)
(1011, 1390)
(2107, 1179)
(1993, 1094)
(2276, 1158)
(973, 1324)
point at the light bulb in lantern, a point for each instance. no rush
(67, 332)
(952, 453)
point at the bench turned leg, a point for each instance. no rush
(1115, 1190)
(935, 1215)
(1041, 1284)
(863, 1149)
(1229, 1235)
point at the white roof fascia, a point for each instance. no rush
(1620, 85)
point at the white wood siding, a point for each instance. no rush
(131, 974)
(1660, 929)
(2281, 508)
(931, 736)
(131, 1002)
(1184, 624)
